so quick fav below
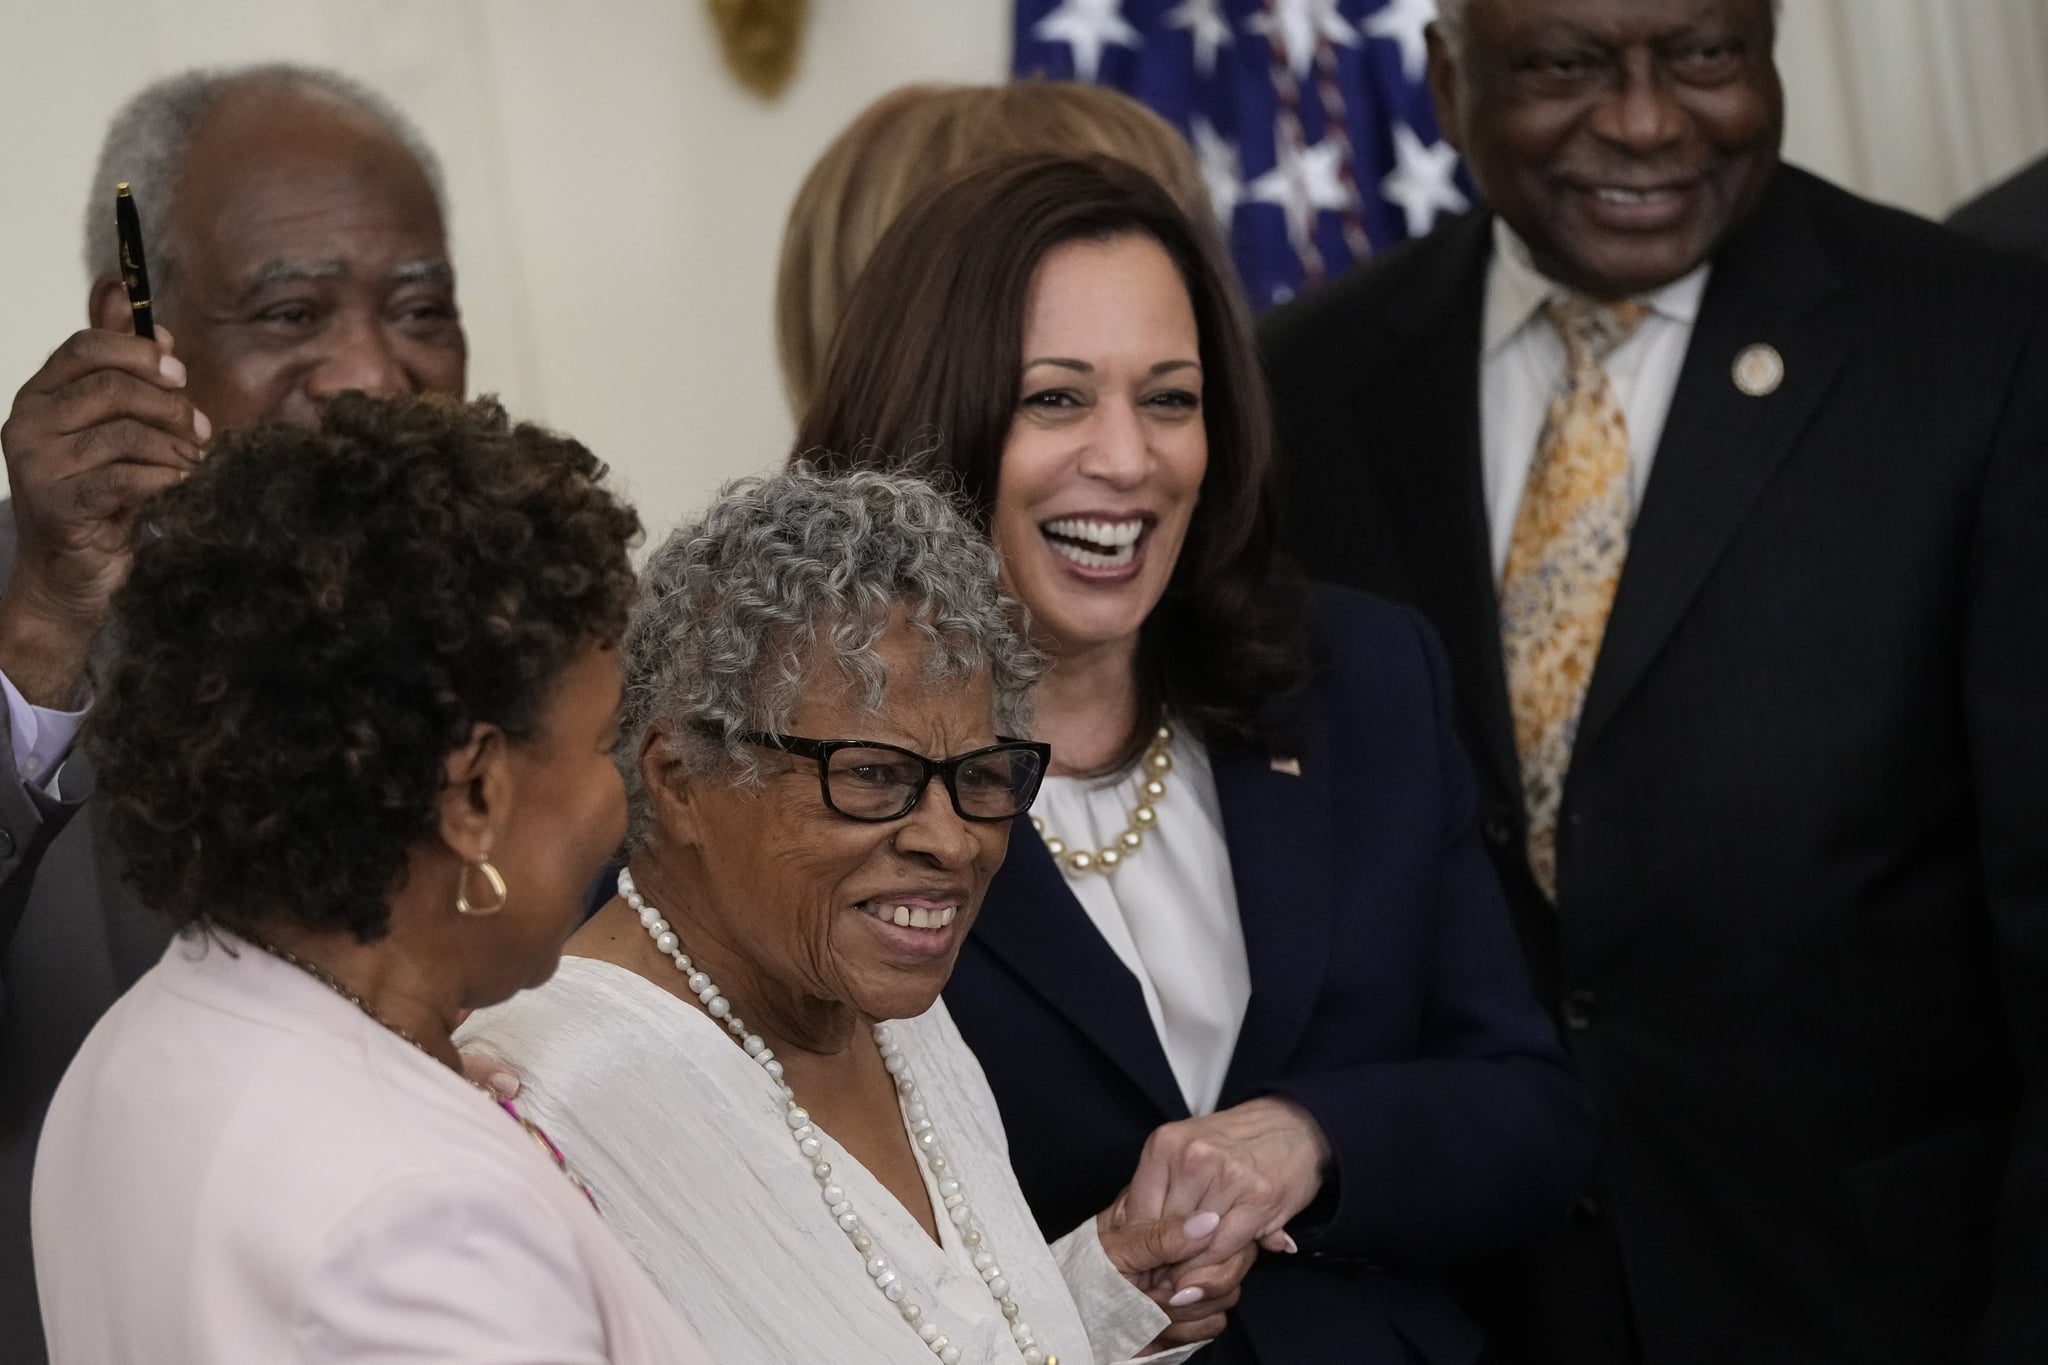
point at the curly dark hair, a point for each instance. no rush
(320, 619)
(924, 375)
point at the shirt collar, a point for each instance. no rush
(1515, 289)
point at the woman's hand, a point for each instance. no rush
(1257, 1164)
(481, 1068)
(1148, 1254)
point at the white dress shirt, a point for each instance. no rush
(1522, 361)
(685, 1140)
(1169, 911)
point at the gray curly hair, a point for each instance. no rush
(735, 610)
(150, 137)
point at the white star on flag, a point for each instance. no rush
(1302, 25)
(1086, 27)
(1304, 182)
(1403, 22)
(1218, 160)
(1206, 27)
(1420, 184)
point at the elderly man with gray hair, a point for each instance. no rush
(746, 1049)
(295, 230)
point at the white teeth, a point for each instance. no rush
(1095, 544)
(1106, 535)
(909, 917)
(1088, 559)
(1622, 196)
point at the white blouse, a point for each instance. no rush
(683, 1141)
(1169, 910)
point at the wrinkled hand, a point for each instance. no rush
(1257, 1164)
(1148, 1253)
(92, 435)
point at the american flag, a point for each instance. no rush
(1311, 118)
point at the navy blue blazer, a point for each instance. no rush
(1389, 998)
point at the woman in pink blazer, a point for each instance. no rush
(358, 743)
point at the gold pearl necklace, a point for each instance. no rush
(1152, 769)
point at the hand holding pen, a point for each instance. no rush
(105, 423)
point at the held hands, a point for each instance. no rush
(1257, 1164)
(1209, 1194)
(93, 434)
(1148, 1254)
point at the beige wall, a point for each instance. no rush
(1916, 102)
(617, 199)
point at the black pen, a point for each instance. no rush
(134, 274)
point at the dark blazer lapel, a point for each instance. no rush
(1433, 482)
(1771, 284)
(1035, 926)
(1277, 826)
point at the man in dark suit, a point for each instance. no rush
(2012, 213)
(294, 233)
(1770, 795)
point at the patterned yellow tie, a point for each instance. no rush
(1564, 561)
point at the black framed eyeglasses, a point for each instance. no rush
(864, 780)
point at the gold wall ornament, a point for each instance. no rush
(762, 40)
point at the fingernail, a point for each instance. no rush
(1288, 1244)
(1186, 1296)
(200, 425)
(172, 369)
(503, 1084)
(1201, 1225)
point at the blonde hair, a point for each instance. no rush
(906, 145)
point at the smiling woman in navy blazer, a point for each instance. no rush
(1254, 962)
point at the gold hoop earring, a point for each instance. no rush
(462, 902)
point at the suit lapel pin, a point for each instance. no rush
(1759, 370)
(1287, 763)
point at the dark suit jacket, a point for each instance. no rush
(1387, 999)
(1801, 950)
(2012, 213)
(72, 938)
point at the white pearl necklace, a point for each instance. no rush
(924, 1136)
(1079, 862)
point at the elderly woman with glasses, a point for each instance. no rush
(745, 1048)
